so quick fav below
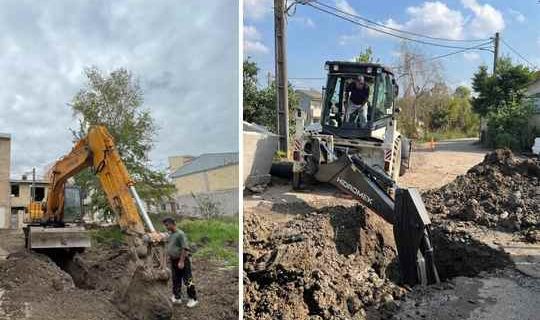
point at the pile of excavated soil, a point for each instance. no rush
(32, 286)
(502, 192)
(123, 278)
(335, 263)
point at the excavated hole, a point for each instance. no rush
(64, 259)
(458, 254)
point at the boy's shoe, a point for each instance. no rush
(191, 303)
(176, 300)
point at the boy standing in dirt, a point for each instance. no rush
(178, 251)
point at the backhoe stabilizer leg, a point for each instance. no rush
(411, 232)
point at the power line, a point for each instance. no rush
(477, 47)
(383, 31)
(519, 54)
(395, 29)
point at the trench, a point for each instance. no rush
(66, 259)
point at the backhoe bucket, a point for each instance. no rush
(47, 238)
(413, 241)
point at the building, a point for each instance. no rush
(207, 181)
(310, 103)
(21, 196)
(5, 159)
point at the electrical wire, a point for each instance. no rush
(477, 47)
(395, 29)
(519, 54)
(383, 31)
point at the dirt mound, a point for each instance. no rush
(32, 286)
(331, 264)
(502, 192)
(124, 278)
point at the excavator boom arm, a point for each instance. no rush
(98, 152)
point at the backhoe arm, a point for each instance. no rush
(97, 151)
(406, 212)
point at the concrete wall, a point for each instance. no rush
(225, 200)
(5, 189)
(259, 150)
(223, 178)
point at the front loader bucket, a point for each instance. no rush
(48, 237)
(413, 241)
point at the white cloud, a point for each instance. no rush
(435, 19)
(518, 16)
(391, 23)
(252, 40)
(257, 9)
(343, 5)
(175, 53)
(486, 20)
(471, 56)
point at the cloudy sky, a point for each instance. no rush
(185, 54)
(314, 37)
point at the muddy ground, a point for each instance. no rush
(316, 255)
(33, 286)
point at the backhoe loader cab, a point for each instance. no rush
(380, 103)
(373, 134)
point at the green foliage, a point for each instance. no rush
(260, 103)
(501, 99)
(507, 88)
(508, 127)
(215, 238)
(107, 236)
(116, 101)
(440, 115)
(366, 56)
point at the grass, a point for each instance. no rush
(215, 238)
(108, 236)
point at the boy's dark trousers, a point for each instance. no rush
(182, 275)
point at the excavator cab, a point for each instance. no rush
(336, 117)
(69, 233)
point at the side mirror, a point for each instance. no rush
(397, 110)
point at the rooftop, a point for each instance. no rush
(207, 161)
(313, 94)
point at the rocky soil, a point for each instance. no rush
(502, 192)
(335, 263)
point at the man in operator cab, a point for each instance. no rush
(178, 251)
(357, 94)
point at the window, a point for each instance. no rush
(15, 190)
(39, 193)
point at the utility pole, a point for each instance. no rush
(281, 75)
(496, 52)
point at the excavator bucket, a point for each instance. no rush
(412, 237)
(65, 237)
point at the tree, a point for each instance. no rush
(501, 100)
(366, 56)
(260, 103)
(418, 76)
(116, 101)
(504, 89)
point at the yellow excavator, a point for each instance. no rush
(58, 223)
